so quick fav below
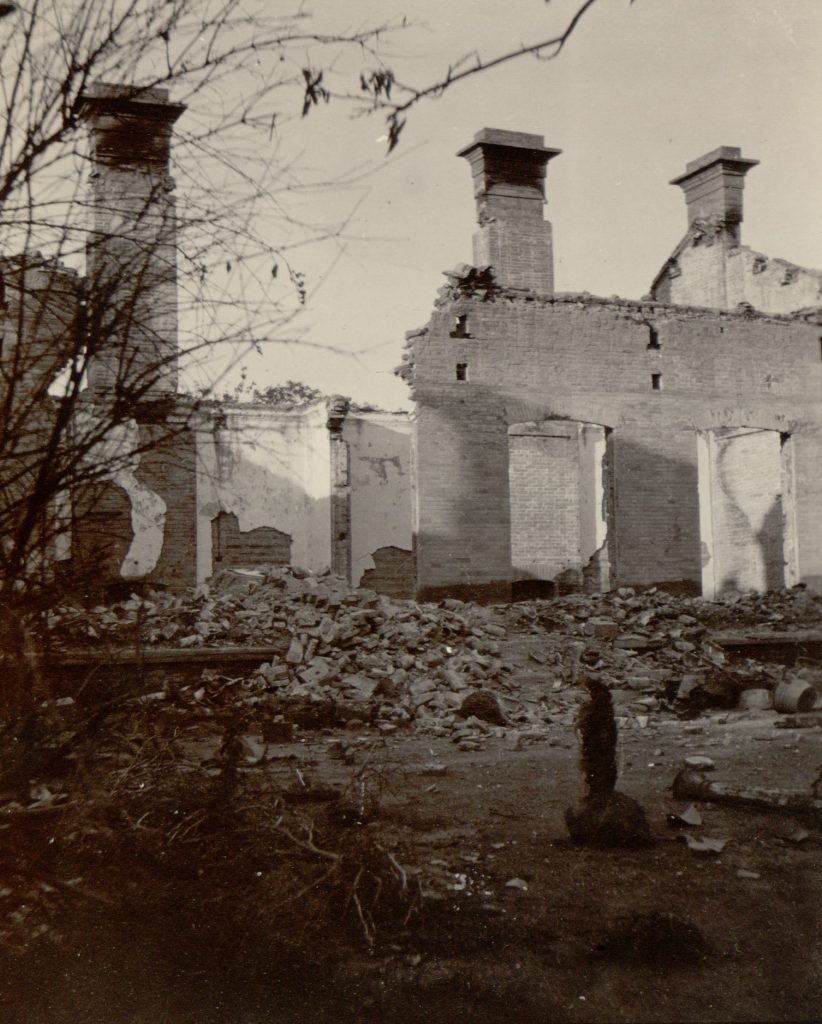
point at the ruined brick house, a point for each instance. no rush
(577, 441)
(558, 441)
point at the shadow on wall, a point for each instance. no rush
(771, 541)
(655, 539)
(767, 552)
(650, 491)
(747, 479)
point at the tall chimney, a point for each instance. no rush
(713, 187)
(131, 253)
(509, 186)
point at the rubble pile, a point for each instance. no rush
(391, 660)
(651, 614)
(453, 668)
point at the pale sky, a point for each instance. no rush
(640, 90)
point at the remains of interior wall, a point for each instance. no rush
(742, 482)
(380, 520)
(271, 469)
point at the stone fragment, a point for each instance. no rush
(318, 672)
(603, 629)
(294, 654)
(700, 762)
(483, 704)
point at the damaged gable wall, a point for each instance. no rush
(706, 271)
(710, 266)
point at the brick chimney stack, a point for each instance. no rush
(509, 186)
(131, 253)
(713, 186)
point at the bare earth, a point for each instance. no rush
(662, 934)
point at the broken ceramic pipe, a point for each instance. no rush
(794, 695)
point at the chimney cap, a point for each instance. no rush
(729, 156)
(510, 140)
(105, 97)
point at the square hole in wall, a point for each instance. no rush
(656, 381)
(460, 327)
(653, 338)
(462, 371)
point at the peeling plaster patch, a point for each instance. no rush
(148, 510)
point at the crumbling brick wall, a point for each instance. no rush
(654, 375)
(231, 547)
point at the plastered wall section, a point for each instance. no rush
(580, 358)
(723, 276)
(269, 468)
(381, 500)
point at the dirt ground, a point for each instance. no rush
(516, 924)
(550, 952)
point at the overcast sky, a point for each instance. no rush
(640, 90)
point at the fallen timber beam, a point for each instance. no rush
(693, 785)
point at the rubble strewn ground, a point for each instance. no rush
(370, 824)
